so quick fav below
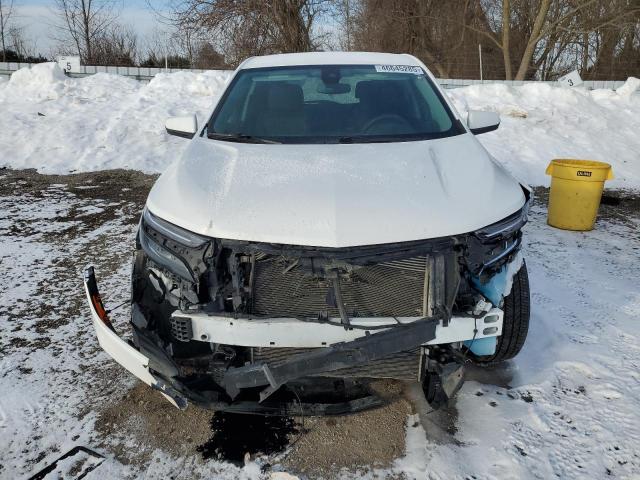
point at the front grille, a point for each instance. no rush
(400, 365)
(389, 289)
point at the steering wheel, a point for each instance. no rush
(388, 118)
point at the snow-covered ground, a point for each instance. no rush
(540, 122)
(566, 407)
(58, 125)
(572, 411)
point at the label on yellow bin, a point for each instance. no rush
(576, 189)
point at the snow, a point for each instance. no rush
(571, 411)
(568, 407)
(45, 81)
(512, 268)
(540, 122)
(631, 86)
(58, 124)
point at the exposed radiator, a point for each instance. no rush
(396, 288)
(401, 365)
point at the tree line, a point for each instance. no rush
(495, 39)
(13, 45)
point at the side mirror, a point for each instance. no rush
(482, 122)
(182, 126)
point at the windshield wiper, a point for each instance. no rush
(367, 139)
(238, 137)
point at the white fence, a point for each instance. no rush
(147, 73)
(590, 84)
(140, 73)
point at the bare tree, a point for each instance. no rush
(243, 28)
(206, 56)
(346, 14)
(6, 10)
(117, 46)
(520, 39)
(432, 30)
(187, 39)
(19, 43)
(171, 47)
(82, 22)
(539, 32)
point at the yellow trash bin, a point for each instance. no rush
(576, 188)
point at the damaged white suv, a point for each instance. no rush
(335, 221)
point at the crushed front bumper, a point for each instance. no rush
(121, 351)
(294, 333)
(342, 347)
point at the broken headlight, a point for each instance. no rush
(178, 250)
(492, 246)
(508, 226)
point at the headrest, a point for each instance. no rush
(377, 89)
(284, 96)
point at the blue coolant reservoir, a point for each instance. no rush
(494, 288)
(493, 291)
(482, 346)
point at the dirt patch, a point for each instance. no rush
(111, 185)
(374, 438)
(320, 447)
(155, 424)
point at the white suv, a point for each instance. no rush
(334, 221)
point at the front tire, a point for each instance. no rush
(515, 325)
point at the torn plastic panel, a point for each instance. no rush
(493, 276)
(499, 285)
(127, 356)
(155, 365)
(358, 352)
(176, 271)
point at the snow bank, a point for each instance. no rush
(45, 81)
(541, 122)
(40, 74)
(57, 124)
(631, 86)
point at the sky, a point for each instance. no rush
(37, 18)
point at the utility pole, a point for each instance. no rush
(166, 55)
(480, 56)
(348, 26)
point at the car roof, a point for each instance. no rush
(329, 58)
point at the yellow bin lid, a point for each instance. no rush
(580, 170)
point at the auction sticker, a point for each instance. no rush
(399, 69)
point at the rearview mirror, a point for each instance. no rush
(482, 122)
(334, 88)
(182, 126)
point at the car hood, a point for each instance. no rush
(335, 195)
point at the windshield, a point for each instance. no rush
(332, 104)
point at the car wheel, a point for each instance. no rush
(515, 325)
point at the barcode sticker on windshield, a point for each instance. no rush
(399, 69)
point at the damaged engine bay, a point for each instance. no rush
(389, 299)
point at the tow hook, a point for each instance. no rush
(441, 382)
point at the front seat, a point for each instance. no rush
(380, 97)
(282, 110)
